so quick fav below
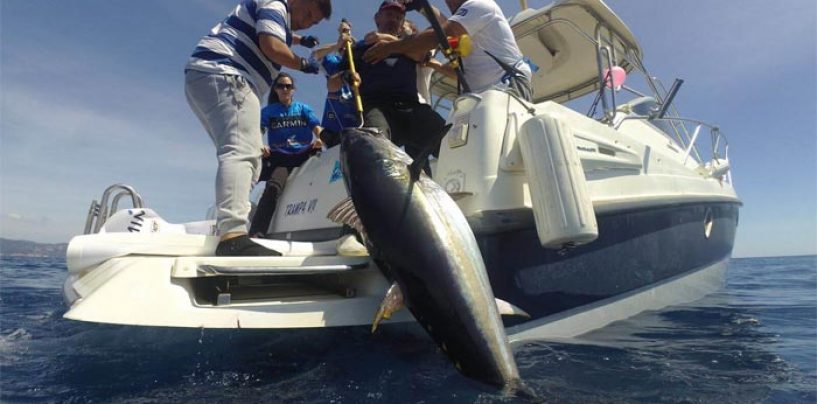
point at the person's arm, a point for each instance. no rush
(278, 51)
(272, 26)
(324, 50)
(317, 143)
(415, 47)
(445, 69)
(335, 82)
(376, 37)
(313, 122)
(307, 41)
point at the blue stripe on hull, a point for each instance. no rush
(634, 249)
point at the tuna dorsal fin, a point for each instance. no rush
(345, 213)
(507, 309)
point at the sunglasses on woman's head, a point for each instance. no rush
(285, 86)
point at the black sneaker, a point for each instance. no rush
(242, 246)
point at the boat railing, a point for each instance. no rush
(718, 152)
(100, 211)
(607, 53)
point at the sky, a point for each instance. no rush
(91, 94)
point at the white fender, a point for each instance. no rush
(561, 202)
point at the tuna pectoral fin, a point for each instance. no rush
(345, 213)
(390, 304)
(507, 309)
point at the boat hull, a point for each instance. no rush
(644, 259)
(636, 250)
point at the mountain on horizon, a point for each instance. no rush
(25, 248)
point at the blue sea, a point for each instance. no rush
(755, 341)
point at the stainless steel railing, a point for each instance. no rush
(100, 211)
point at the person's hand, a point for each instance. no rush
(345, 27)
(371, 38)
(265, 151)
(353, 79)
(377, 37)
(309, 41)
(343, 39)
(413, 5)
(378, 52)
(317, 144)
(310, 66)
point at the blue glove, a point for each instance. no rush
(309, 41)
(310, 66)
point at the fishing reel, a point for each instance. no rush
(458, 47)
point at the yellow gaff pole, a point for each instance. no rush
(355, 89)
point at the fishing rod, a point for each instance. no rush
(449, 51)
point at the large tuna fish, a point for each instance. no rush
(416, 229)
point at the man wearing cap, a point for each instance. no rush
(227, 74)
(389, 89)
(495, 62)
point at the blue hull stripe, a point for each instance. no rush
(634, 249)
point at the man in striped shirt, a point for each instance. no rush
(229, 71)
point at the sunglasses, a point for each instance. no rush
(285, 86)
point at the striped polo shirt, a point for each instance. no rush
(232, 47)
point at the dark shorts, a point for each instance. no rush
(288, 161)
(410, 124)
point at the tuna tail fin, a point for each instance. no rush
(345, 213)
(422, 157)
(507, 309)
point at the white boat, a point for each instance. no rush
(582, 217)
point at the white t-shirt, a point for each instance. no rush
(489, 30)
(424, 84)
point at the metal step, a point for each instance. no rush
(277, 270)
(195, 267)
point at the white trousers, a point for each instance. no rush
(229, 110)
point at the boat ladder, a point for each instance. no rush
(100, 211)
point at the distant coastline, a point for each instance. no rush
(24, 248)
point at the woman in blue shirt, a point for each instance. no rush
(292, 137)
(339, 109)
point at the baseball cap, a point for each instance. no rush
(392, 4)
